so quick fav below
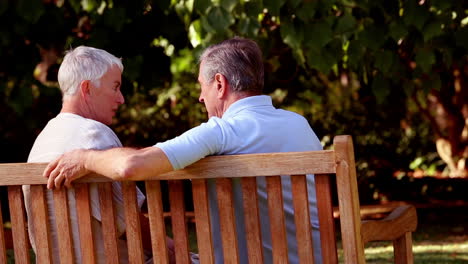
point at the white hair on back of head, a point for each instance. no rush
(84, 63)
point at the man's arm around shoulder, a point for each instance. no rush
(115, 163)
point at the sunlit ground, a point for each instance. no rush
(425, 252)
(441, 237)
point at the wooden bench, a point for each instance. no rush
(339, 163)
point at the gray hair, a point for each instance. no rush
(239, 60)
(84, 63)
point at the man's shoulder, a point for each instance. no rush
(67, 133)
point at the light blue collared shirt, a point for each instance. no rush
(251, 125)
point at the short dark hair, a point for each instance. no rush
(239, 60)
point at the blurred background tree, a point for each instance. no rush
(393, 74)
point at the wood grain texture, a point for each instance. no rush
(276, 215)
(18, 224)
(202, 221)
(305, 247)
(109, 226)
(3, 257)
(397, 227)
(403, 249)
(401, 221)
(41, 224)
(179, 225)
(227, 166)
(83, 212)
(62, 219)
(348, 200)
(132, 222)
(325, 213)
(156, 219)
(252, 220)
(227, 221)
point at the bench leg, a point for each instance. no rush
(403, 249)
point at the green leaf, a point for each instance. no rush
(274, 6)
(248, 26)
(299, 55)
(425, 59)
(201, 6)
(397, 30)
(441, 4)
(372, 37)
(431, 30)
(228, 4)
(306, 11)
(294, 3)
(415, 14)
(345, 23)
(30, 10)
(133, 67)
(219, 18)
(318, 35)
(384, 61)
(323, 60)
(195, 33)
(380, 88)
(115, 18)
(89, 5)
(355, 54)
(292, 34)
(76, 5)
(206, 25)
(253, 8)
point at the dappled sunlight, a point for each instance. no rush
(424, 252)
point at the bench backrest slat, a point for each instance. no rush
(62, 219)
(83, 210)
(202, 221)
(41, 226)
(226, 220)
(302, 219)
(132, 222)
(228, 166)
(18, 224)
(276, 215)
(156, 222)
(179, 225)
(109, 227)
(252, 220)
(325, 215)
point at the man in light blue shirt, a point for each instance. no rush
(241, 120)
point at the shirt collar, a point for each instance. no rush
(247, 102)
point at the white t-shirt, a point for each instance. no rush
(251, 125)
(64, 133)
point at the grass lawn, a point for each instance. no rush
(441, 237)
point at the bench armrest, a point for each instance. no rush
(402, 220)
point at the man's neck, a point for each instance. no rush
(234, 97)
(74, 107)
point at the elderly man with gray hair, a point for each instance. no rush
(241, 120)
(90, 81)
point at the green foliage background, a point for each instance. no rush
(390, 73)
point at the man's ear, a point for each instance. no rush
(221, 85)
(85, 89)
